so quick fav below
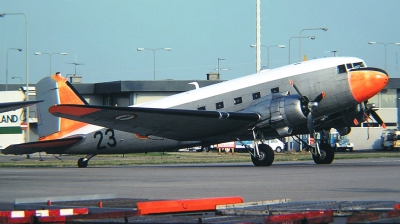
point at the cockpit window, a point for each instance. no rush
(341, 69)
(349, 66)
(358, 65)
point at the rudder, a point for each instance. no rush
(56, 90)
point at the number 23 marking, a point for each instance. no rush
(112, 141)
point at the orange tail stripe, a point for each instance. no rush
(186, 205)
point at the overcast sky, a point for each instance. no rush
(103, 35)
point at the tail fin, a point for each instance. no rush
(56, 90)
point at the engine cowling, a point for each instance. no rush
(280, 111)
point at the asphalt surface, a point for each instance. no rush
(344, 180)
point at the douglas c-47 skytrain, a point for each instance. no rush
(310, 97)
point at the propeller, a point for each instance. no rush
(308, 107)
(368, 110)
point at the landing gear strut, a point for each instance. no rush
(83, 162)
(322, 153)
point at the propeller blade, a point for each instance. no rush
(377, 118)
(310, 122)
(295, 87)
(320, 97)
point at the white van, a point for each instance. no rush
(275, 144)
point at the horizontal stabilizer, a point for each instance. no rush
(56, 146)
(4, 107)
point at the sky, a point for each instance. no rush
(103, 36)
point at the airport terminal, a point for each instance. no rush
(125, 93)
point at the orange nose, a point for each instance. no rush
(366, 82)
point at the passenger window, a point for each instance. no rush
(275, 90)
(256, 95)
(219, 105)
(341, 69)
(237, 100)
(201, 108)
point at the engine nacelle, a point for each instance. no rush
(280, 111)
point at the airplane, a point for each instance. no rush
(8, 106)
(309, 97)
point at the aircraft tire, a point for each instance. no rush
(266, 156)
(82, 163)
(327, 156)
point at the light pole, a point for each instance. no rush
(279, 45)
(154, 56)
(310, 37)
(50, 54)
(373, 42)
(323, 29)
(17, 49)
(27, 70)
(334, 52)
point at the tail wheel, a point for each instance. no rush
(83, 163)
(327, 154)
(266, 156)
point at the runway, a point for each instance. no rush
(344, 180)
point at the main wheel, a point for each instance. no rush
(82, 163)
(266, 156)
(327, 154)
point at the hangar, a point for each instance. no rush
(125, 93)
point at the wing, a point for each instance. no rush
(174, 124)
(56, 146)
(4, 107)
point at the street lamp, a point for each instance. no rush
(17, 77)
(27, 70)
(323, 29)
(50, 54)
(280, 46)
(334, 52)
(373, 42)
(17, 49)
(310, 37)
(154, 56)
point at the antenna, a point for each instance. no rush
(75, 64)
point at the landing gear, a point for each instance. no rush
(265, 157)
(83, 162)
(325, 156)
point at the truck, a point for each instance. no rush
(390, 139)
(343, 144)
